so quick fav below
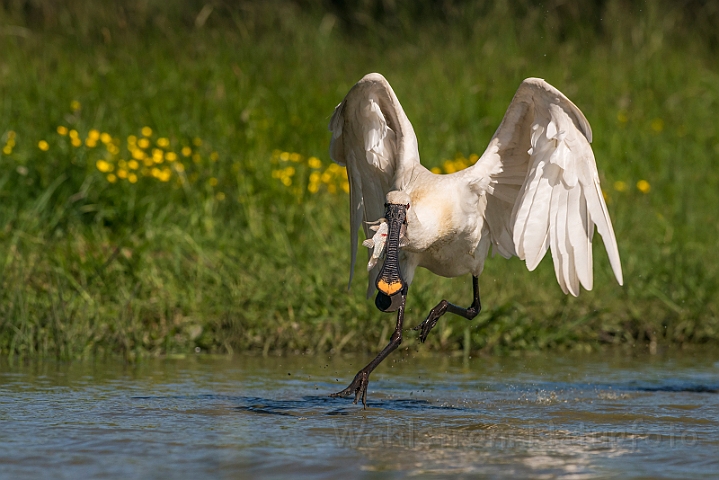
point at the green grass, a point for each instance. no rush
(233, 260)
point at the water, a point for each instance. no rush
(549, 415)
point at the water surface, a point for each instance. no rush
(548, 415)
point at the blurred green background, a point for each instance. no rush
(165, 184)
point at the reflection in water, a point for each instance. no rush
(554, 415)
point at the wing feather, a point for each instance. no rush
(543, 146)
(374, 139)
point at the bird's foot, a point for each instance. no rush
(425, 327)
(358, 387)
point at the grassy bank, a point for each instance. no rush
(229, 231)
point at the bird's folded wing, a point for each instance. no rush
(542, 186)
(374, 139)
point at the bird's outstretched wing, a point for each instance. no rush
(374, 139)
(542, 186)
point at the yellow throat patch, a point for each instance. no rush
(389, 288)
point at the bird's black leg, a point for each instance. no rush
(361, 380)
(444, 306)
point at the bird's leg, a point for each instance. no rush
(444, 306)
(361, 380)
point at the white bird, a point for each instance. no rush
(536, 187)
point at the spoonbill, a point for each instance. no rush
(536, 187)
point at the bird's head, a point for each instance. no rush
(389, 281)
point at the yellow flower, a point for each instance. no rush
(93, 134)
(133, 164)
(473, 158)
(643, 186)
(73, 133)
(62, 130)
(657, 125)
(179, 167)
(103, 166)
(186, 151)
(284, 156)
(132, 178)
(170, 156)
(90, 142)
(197, 141)
(75, 105)
(143, 143)
(157, 155)
(213, 182)
(156, 172)
(314, 162)
(346, 187)
(295, 157)
(147, 161)
(220, 196)
(43, 145)
(105, 138)
(165, 175)
(131, 140)
(121, 173)
(138, 154)
(111, 178)
(163, 142)
(7, 150)
(436, 170)
(10, 135)
(146, 132)
(196, 158)
(620, 186)
(76, 142)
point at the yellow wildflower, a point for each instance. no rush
(346, 187)
(143, 143)
(111, 178)
(157, 155)
(103, 166)
(643, 186)
(186, 151)
(436, 170)
(146, 132)
(43, 145)
(197, 141)
(132, 178)
(165, 175)
(133, 164)
(657, 125)
(121, 173)
(220, 196)
(179, 167)
(170, 156)
(76, 142)
(93, 134)
(285, 156)
(90, 142)
(138, 154)
(73, 133)
(314, 162)
(163, 142)
(62, 130)
(213, 182)
(105, 138)
(131, 140)
(196, 158)
(7, 150)
(295, 157)
(75, 105)
(620, 186)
